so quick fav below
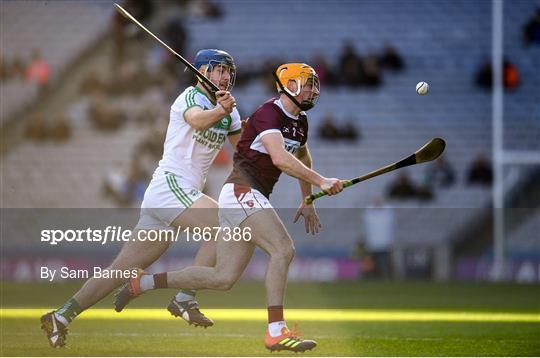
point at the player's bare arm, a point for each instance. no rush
(201, 119)
(285, 161)
(311, 219)
(304, 156)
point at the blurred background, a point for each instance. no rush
(85, 99)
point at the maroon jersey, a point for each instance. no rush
(252, 166)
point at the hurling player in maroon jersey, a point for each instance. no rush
(273, 141)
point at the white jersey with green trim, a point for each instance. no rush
(188, 152)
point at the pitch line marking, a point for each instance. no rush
(329, 315)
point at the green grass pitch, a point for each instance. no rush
(347, 319)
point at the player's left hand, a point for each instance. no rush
(311, 219)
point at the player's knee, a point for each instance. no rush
(290, 253)
(226, 285)
(225, 280)
(284, 253)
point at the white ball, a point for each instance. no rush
(422, 88)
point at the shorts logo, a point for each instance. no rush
(250, 203)
(193, 192)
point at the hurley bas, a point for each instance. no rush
(97, 272)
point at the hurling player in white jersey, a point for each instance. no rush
(200, 122)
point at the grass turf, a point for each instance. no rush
(384, 334)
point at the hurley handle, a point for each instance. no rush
(309, 199)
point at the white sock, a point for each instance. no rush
(61, 319)
(274, 328)
(147, 282)
(183, 296)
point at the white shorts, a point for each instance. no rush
(167, 196)
(238, 202)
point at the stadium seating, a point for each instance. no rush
(394, 121)
(442, 42)
(60, 32)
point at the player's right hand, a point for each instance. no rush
(221, 93)
(226, 101)
(332, 186)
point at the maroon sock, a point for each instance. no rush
(275, 314)
(160, 280)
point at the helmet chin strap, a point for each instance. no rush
(304, 106)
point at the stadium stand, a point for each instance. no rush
(60, 32)
(454, 39)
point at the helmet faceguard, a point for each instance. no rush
(211, 59)
(305, 78)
